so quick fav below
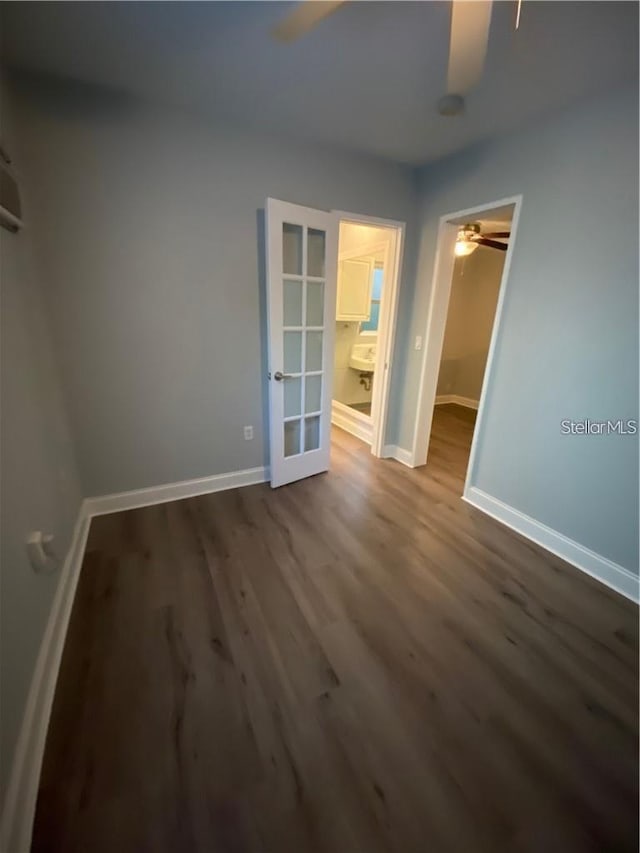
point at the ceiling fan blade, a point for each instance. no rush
(502, 234)
(470, 20)
(304, 17)
(492, 244)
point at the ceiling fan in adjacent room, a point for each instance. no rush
(469, 38)
(470, 236)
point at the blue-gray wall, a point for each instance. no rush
(40, 487)
(568, 344)
(148, 219)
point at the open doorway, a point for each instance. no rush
(474, 254)
(366, 301)
(475, 285)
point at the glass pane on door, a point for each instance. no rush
(314, 351)
(292, 302)
(315, 303)
(291, 438)
(312, 433)
(293, 352)
(313, 394)
(292, 397)
(315, 252)
(291, 249)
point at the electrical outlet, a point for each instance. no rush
(248, 433)
(418, 344)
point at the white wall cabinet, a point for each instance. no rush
(355, 278)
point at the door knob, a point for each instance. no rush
(278, 376)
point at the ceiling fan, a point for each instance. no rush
(467, 46)
(470, 236)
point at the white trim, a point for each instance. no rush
(352, 421)
(388, 320)
(392, 451)
(22, 792)
(436, 321)
(175, 491)
(607, 572)
(442, 399)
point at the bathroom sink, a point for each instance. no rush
(363, 358)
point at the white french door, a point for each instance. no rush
(302, 262)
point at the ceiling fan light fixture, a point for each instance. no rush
(464, 247)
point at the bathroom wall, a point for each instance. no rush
(472, 305)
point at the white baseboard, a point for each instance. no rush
(457, 399)
(392, 451)
(175, 491)
(350, 420)
(604, 570)
(20, 802)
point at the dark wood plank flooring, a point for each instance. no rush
(355, 663)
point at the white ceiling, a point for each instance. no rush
(368, 78)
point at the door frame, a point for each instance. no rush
(389, 316)
(436, 321)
